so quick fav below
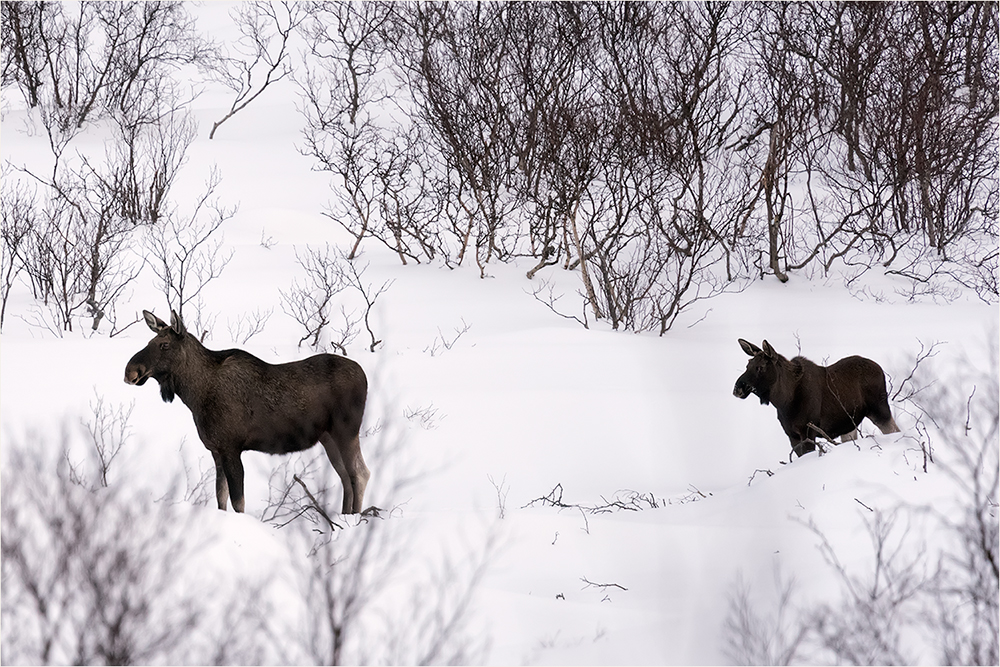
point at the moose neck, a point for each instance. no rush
(191, 380)
(783, 389)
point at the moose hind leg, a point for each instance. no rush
(333, 453)
(350, 465)
(357, 469)
(888, 426)
(881, 416)
(337, 460)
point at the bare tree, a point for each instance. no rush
(94, 572)
(893, 149)
(965, 419)
(248, 325)
(673, 198)
(369, 294)
(107, 430)
(17, 219)
(454, 58)
(784, 110)
(89, 576)
(311, 303)
(21, 47)
(98, 59)
(185, 253)
(76, 255)
(663, 151)
(263, 51)
(99, 62)
(867, 627)
(329, 272)
(755, 638)
(357, 569)
(144, 162)
(384, 187)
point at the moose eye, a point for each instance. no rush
(164, 346)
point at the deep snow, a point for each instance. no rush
(528, 400)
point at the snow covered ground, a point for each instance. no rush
(522, 405)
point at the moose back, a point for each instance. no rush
(816, 401)
(241, 403)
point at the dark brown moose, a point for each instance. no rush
(812, 400)
(241, 403)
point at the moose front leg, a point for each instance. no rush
(801, 447)
(221, 486)
(232, 469)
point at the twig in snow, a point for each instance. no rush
(501, 490)
(550, 302)
(924, 354)
(552, 499)
(764, 470)
(587, 583)
(440, 342)
(315, 503)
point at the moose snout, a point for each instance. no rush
(741, 390)
(134, 375)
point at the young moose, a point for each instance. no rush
(813, 400)
(241, 403)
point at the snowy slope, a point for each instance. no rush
(524, 401)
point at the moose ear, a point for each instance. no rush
(176, 324)
(769, 351)
(153, 322)
(748, 347)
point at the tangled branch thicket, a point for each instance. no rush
(110, 65)
(665, 152)
(97, 573)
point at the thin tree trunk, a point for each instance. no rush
(584, 273)
(773, 219)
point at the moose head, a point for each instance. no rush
(161, 356)
(761, 372)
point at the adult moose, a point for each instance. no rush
(241, 403)
(813, 400)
